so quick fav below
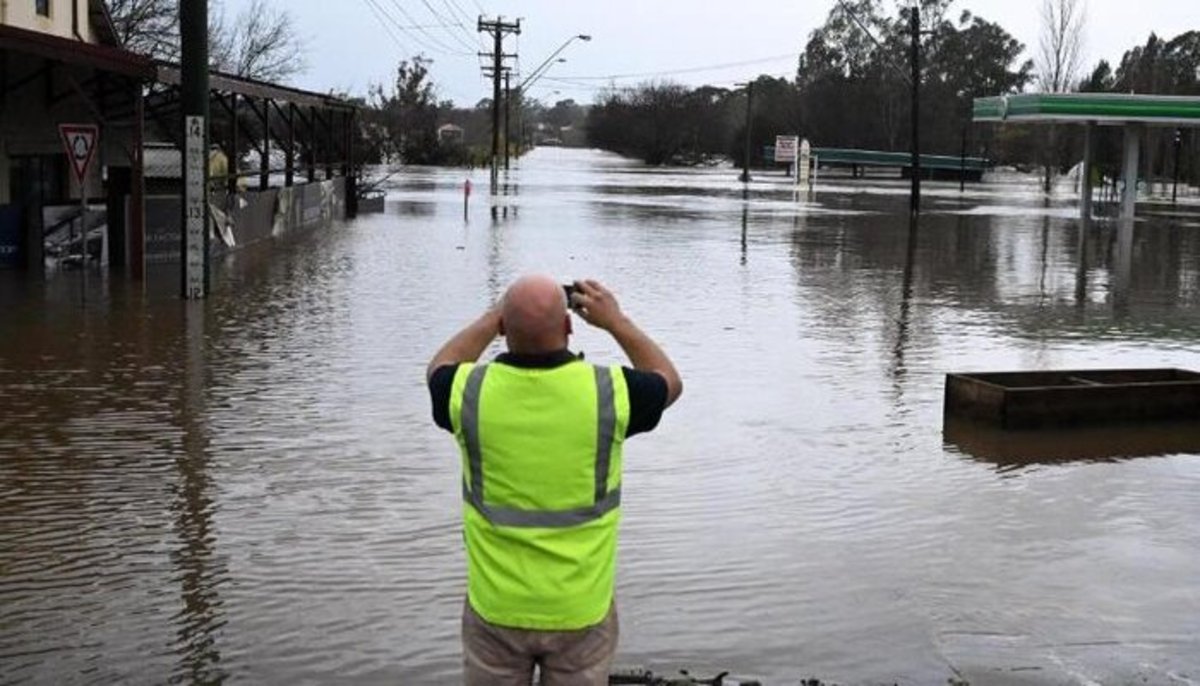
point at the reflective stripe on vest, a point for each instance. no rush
(604, 500)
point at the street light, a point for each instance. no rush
(540, 72)
(541, 69)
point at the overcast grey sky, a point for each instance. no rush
(351, 48)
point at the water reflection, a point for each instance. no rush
(1014, 450)
(745, 223)
(413, 208)
(906, 292)
(199, 572)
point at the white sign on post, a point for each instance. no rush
(785, 148)
(194, 199)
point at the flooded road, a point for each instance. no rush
(251, 489)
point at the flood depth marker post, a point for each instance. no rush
(193, 30)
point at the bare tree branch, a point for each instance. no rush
(1060, 51)
(261, 42)
(148, 27)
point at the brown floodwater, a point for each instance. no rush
(250, 489)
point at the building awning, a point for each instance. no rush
(169, 74)
(74, 52)
(120, 61)
(1080, 108)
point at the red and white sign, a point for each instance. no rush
(786, 147)
(80, 141)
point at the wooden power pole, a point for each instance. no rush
(498, 30)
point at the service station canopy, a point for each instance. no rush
(1132, 111)
(1113, 109)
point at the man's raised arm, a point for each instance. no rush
(597, 305)
(467, 345)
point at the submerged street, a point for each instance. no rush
(251, 487)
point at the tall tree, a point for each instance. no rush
(1060, 50)
(1060, 57)
(409, 114)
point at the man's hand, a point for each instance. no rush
(599, 307)
(596, 304)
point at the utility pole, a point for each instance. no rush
(507, 117)
(498, 29)
(749, 124)
(915, 198)
(1175, 184)
(962, 162)
(193, 32)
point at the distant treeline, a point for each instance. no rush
(851, 91)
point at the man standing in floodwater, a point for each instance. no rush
(540, 433)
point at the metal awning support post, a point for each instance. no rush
(329, 149)
(264, 158)
(3, 79)
(1130, 172)
(310, 129)
(1085, 183)
(137, 193)
(290, 166)
(351, 166)
(231, 165)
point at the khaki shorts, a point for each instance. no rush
(500, 656)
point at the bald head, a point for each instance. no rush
(534, 316)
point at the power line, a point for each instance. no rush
(380, 16)
(389, 19)
(429, 26)
(446, 24)
(878, 45)
(688, 70)
(457, 10)
(442, 47)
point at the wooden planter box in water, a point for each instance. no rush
(1026, 400)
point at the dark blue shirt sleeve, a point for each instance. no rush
(440, 385)
(647, 399)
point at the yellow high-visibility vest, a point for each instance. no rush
(541, 465)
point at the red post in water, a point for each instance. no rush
(466, 198)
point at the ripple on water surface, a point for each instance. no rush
(251, 488)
